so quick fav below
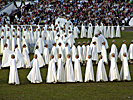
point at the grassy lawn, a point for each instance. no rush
(78, 91)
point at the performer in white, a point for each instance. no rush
(124, 73)
(89, 73)
(101, 72)
(69, 73)
(51, 75)
(113, 73)
(2, 44)
(104, 54)
(77, 70)
(60, 70)
(94, 53)
(130, 52)
(84, 51)
(112, 31)
(46, 54)
(83, 31)
(123, 50)
(54, 51)
(88, 49)
(108, 32)
(13, 75)
(74, 52)
(80, 52)
(89, 32)
(118, 34)
(35, 76)
(96, 29)
(76, 31)
(26, 57)
(19, 43)
(8, 41)
(113, 51)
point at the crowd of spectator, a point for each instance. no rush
(94, 11)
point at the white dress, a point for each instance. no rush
(89, 73)
(113, 50)
(60, 71)
(74, 52)
(80, 53)
(108, 32)
(101, 72)
(35, 76)
(13, 75)
(75, 32)
(83, 32)
(112, 32)
(124, 73)
(104, 54)
(118, 34)
(89, 32)
(46, 55)
(26, 58)
(94, 53)
(51, 75)
(84, 52)
(69, 73)
(113, 73)
(77, 71)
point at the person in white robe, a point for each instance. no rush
(112, 31)
(70, 39)
(88, 49)
(25, 42)
(61, 51)
(13, 42)
(94, 53)
(118, 34)
(83, 31)
(89, 73)
(40, 43)
(39, 57)
(69, 73)
(101, 72)
(13, 74)
(80, 52)
(76, 32)
(19, 43)
(101, 27)
(3, 34)
(8, 33)
(20, 62)
(46, 54)
(8, 41)
(104, 54)
(124, 73)
(108, 32)
(2, 44)
(34, 75)
(60, 70)
(51, 75)
(67, 51)
(89, 35)
(77, 70)
(35, 35)
(113, 72)
(19, 33)
(43, 34)
(96, 30)
(123, 50)
(74, 52)
(54, 51)
(84, 51)
(130, 52)
(113, 51)
(26, 57)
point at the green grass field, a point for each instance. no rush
(71, 91)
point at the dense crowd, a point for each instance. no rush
(94, 11)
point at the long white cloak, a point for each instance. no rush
(123, 50)
(19, 44)
(61, 51)
(103, 39)
(35, 76)
(2, 45)
(89, 35)
(40, 58)
(77, 71)
(54, 51)
(80, 53)
(51, 75)
(83, 32)
(69, 73)
(13, 43)
(84, 52)
(105, 31)
(130, 51)
(104, 54)
(26, 58)
(96, 29)
(60, 71)
(46, 55)
(113, 50)
(75, 32)
(8, 43)
(13, 75)
(101, 72)
(67, 51)
(20, 62)
(124, 73)
(118, 34)
(112, 32)
(70, 40)
(88, 51)
(113, 73)
(108, 32)
(94, 53)
(89, 73)
(74, 52)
